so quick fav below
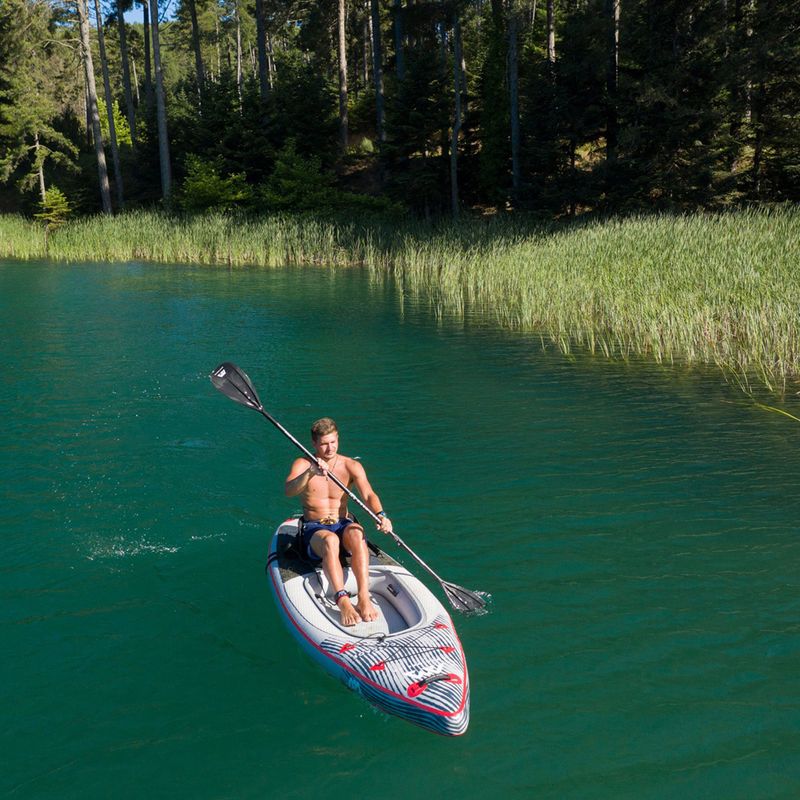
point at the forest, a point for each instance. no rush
(430, 107)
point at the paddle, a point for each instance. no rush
(234, 383)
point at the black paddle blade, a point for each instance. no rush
(234, 383)
(463, 599)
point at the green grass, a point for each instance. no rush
(721, 289)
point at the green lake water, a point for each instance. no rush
(637, 527)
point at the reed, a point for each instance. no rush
(706, 288)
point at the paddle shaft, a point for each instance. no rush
(398, 541)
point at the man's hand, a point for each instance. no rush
(321, 467)
(385, 524)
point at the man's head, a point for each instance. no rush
(325, 436)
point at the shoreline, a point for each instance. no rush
(720, 289)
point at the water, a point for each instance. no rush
(637, 527)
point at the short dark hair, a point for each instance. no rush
(322, 427)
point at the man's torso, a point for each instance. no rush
(322, 498)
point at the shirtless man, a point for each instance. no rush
(326, 521)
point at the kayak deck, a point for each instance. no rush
(396, 611)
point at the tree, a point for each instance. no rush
(161, 110)
(110, 105)
(126, 71)
(377, 69)
(34, 62)
(457, 117)
(342, 40)
(91, 99)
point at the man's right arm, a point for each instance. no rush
(299, 476)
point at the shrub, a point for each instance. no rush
(55, 208)
(205, 189)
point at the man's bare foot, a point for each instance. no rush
(350, 615)
(366, 609)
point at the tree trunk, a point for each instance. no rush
(612, 76)
(91, 97)
(457, 84)
(270, 61)
(367, 40)
(513, 92)
(39, 167)
(377, 69)
(109, 98)
(343, 75)
(198, 55)
(148, 75)
(261, 45)
(161, 111)
(135, 83)
(551, 32)
(126, 72)
(216, 42)
(239, 73)
(399, 54)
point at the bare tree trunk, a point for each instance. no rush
(377, 69)
(270, 62)
(399, 54)
(612, 77)
(264, 79)
(198, 55)
(457, 84)
(161, 112)
(551, 32)
(91, 97)
(239, 74)
(39, 167)
(126, 72)
(367, 40)
(513, 92)
(135, 85)
(216, 41)
(148, 75)
(109, 98)
(343, 136)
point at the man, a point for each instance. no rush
(327, 526)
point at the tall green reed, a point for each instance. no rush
(704, 288)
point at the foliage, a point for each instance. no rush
(54, 209)
(706, 102)
(205, 189)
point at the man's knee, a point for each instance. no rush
(328, 543)
(353, 537)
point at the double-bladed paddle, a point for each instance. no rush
(234, 383)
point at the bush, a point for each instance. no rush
(300, 184)
(204, 189)
(55, 208)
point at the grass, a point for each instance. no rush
(707, 288)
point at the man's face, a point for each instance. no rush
(327, 446)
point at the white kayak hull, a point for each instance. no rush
(409, 662)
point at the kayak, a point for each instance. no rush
(409, 662)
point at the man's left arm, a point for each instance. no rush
(368, 495)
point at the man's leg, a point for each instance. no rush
(326, 545)
(356, 544)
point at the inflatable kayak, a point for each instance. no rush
(409, 662)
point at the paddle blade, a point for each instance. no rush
(234, 383)
(462, 599)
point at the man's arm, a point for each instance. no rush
(368, 495)
(299, 476)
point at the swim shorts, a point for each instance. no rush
(310, 528)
